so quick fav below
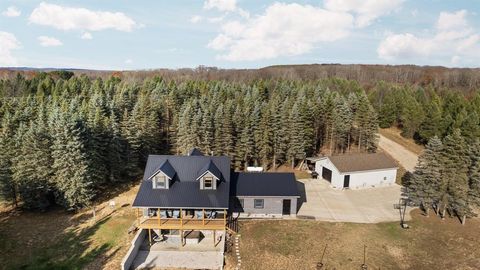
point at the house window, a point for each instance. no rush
(208, 182)
(160, 181)
(258, 203)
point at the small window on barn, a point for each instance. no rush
(258, 203)
(160, 181)
(208, 182)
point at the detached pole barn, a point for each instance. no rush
(357, 171)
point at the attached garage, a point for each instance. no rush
(355, 171)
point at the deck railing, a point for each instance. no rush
(183, 222)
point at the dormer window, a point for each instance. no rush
(162, 177)
(208, 182)
(160, 181)
(209, 176)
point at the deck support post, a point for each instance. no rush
(181, 238)
(138, 217)
(224, 217)
(214, 238)
(150, 236)
(158, 217)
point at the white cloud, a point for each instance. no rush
(216, 19)
(452, 21)
(366, 11)
(86, 35)
(12, 12)
(49, 41)
(404, 46)
(283, 30)
(452, 41)
(221, 5)
(225, 6)
(128, 61)
(196, 19)
(72, 18)
(8, 43)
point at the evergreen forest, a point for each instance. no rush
(66, 137)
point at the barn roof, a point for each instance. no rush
(363, 162)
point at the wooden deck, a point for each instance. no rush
(182, 224)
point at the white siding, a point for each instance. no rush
(362, 179)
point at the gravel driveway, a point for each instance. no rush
(371, 205)
(405, 157)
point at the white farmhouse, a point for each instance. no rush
(355, 171)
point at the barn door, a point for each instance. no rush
(346, 181)
(327, 174)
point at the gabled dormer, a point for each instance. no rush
(162, 178)
(209, 176)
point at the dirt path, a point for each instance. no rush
(406, 158)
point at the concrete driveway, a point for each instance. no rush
(360, 206)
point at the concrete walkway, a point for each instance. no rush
(405, 157)
(371, 205)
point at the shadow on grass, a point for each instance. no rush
(72, 250)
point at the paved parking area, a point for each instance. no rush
(371, 205)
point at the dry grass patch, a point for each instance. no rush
(430, 243)
(394, 135)
(58, 239)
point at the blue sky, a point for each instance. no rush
(122, 34)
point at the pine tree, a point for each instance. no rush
(7, 186)
(424, 186)
(72, 169)
(33, 179)
(455, 174)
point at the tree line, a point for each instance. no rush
(66, 139)
(447, 176)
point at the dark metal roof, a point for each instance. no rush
(184, 189)
(363, 162)
(195, 152)
(210, 167)
(264, 184)
(166, 168)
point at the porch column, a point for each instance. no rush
(158, 217)
(181, 217)
(203, 216)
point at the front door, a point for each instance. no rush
(346, 181)
(286, 207)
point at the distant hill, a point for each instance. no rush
(366, 75)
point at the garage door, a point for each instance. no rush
(327, 174)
